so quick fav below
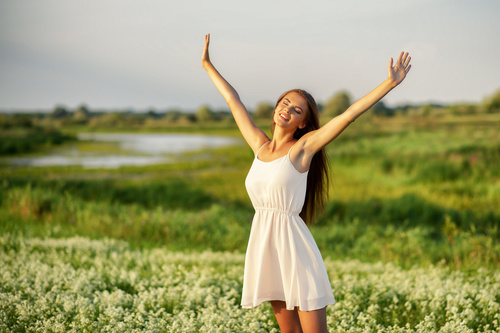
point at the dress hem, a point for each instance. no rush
(306, 306)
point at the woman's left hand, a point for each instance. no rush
(205, 58)
(400, 69)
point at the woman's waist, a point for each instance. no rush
(279, 210)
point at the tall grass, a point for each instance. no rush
(410, 192)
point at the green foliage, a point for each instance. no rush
(60, 112)
(337, 104)
(462, 109)
(15, 121)
(264, 110)
(492, 104)
(204, 114)
(81, 115)
(29, 139)
(381, 109)
(177, 223)
(404, 190)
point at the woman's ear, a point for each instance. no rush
(301, 126)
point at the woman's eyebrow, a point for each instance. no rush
(296, 106)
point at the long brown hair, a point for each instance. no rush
(318, 176)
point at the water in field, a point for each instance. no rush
(113, 150)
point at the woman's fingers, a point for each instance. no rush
(403, 60)
(407, 60)
(391, 63)
(205, 56)
(400, 57)
(207, 41)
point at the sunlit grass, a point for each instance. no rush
(407, 190)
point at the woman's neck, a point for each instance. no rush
(281, 138)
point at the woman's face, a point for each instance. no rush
(291, 111)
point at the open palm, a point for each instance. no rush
(205, 58)
(398, 72)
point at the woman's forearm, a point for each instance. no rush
(395, 76)
(367, 101)
(226, 90)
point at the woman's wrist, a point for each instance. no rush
(206, 64)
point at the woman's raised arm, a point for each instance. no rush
(253, 135)
(316, 140)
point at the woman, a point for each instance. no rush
(286, 183)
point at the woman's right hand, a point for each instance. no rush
(205, 58)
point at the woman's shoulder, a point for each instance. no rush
(259, 144)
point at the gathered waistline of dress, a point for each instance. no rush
(277, 210)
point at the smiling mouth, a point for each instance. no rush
(283, 117)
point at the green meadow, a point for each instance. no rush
(409, 190)
(410, 234)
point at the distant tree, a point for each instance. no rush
(337, 104)
(59, 112)
(152, 114)
(106, 120)
(405, 109)
(186, 118)
(492, 104)
(204, 113)
(463, 108)
(172, 115)
(220, 115)
(264, 110)
(383, 110)
(426, 109)
(16, 120)
(82, 114)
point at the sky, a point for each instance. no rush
(142, 55)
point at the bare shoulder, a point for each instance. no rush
(260, 140)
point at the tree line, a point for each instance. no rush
(339, 102)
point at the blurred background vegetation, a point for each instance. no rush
(414, 185)
(83, 117)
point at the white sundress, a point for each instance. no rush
(282, 260)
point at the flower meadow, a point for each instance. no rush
(83, 285)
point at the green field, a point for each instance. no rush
(414, 203)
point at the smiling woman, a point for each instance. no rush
(287, 184)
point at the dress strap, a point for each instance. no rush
(258, 151)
